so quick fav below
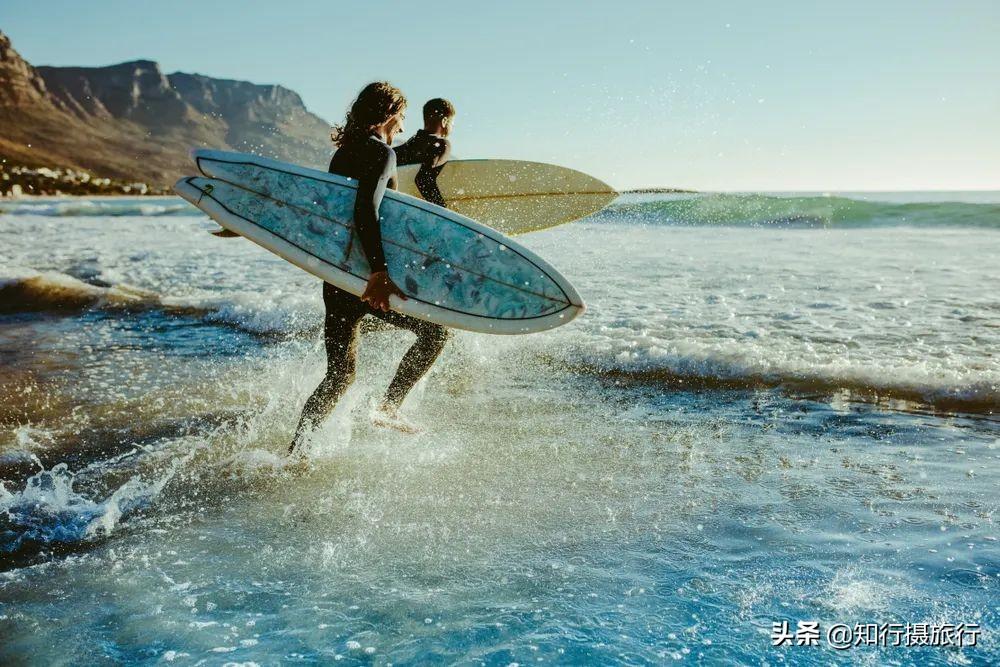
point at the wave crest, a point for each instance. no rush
(704, 372)
(34, 292)
(750, 210)
(81, 207)
(59, 292)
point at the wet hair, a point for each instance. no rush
(376, 103)
(438, 109)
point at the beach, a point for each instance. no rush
(777, 407)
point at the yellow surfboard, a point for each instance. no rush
(513, 196)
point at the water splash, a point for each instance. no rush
(50, 511)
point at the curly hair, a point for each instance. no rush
(376, 103)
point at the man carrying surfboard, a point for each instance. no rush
(430, 148)
(364, 153)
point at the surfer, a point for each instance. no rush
(430, 148)
(364, 153)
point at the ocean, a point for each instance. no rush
(778, 408)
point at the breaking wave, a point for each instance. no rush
(806, 211)
(973, 394)
(74, 207)
(977, 398)
(39, 292)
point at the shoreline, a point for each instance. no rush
(65, 196)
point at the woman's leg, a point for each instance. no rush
(431, 339)
(340, 334)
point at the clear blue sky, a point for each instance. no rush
(791, 95)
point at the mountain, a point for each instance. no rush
(133, 122)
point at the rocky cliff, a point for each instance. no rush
(131, 121)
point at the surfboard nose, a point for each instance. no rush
(182, 188)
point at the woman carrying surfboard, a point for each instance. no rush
(364, 153)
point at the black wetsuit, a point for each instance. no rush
(431, 152)
(373, 164)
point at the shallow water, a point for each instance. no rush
(752, 423)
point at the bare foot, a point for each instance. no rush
(389, 417)
(298, 463)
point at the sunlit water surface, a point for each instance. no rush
(752, 423)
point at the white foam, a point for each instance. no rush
(891, 310)
(849, 593)
(251, 311)
(50, 510)
(103, 207)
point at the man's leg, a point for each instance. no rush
(340, 333)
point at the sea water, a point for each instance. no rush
(777, 408)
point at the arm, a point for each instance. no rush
(426, 180)
(371, 189)
(407, 153)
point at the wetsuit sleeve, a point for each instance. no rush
(407, 153)
(435, 158)
(371, 188)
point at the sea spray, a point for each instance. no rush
(556, 507)
(50, 511)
